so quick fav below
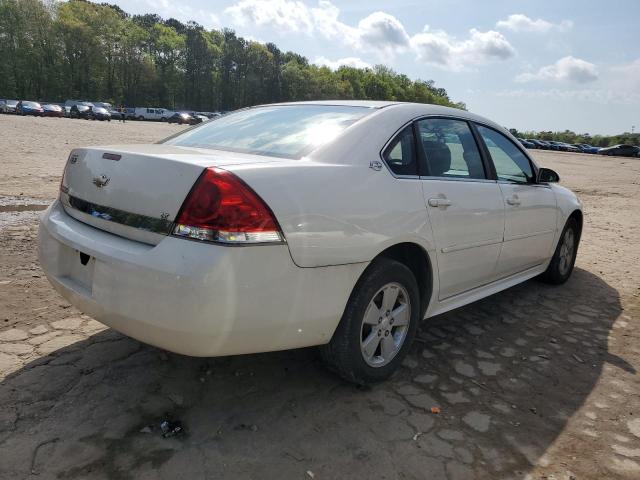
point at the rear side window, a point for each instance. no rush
(400, 155)
(288, 131)
(450, 149)
(510, 163)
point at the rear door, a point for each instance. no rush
(465, 206)
(530, 208)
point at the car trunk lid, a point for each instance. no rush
(136, 191)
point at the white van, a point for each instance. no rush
(144, 113)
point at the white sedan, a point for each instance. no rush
(338, 224)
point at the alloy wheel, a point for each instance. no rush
(385, 325)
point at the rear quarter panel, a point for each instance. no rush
(333, 214)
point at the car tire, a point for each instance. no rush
(369, 344)
(564, 258)
(140, 118)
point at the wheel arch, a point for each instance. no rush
(416, 259)
(579, 218)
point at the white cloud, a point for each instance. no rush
(382, 31)
(521, 23)
(184, 13)
(567, 69)
(441, 49)
(379, 33)
(289, 15)
(347, 61)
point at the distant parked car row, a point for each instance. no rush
(618, 150)
(103, 111)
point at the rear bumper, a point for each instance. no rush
(194, 298)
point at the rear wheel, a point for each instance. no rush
(378, 325)
(564, 258)
(140, 117)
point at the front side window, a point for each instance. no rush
(400, 155)
(511, 164)
(288, 131)
(450, 149)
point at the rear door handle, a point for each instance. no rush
(513, 200)
(439, 202)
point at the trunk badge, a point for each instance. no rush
(101, 181)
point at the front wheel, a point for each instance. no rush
(564, 258)
(378, 324)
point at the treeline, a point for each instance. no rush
(571, 137)
(77, 49)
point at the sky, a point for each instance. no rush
(528, 64)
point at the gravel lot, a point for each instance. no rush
(535, 382)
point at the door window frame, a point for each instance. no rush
(424, 169)
(394, 137)
(487, 162)
(532, 164)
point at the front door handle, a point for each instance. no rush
(439, 202)
(513, 200)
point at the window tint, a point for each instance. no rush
(450, 148)
(400, 155)
(511, 164)
(282, 131)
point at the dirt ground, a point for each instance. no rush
(535, 382)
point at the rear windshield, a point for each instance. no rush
(288, 131)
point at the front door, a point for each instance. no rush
(465, 207)
(530, 208)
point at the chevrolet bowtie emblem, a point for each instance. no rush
(101, 181)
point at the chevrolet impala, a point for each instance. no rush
(338, 224)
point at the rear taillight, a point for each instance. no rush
(222, 208)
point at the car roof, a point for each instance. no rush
(343, 103)
(412, 109)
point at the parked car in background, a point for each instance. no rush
(25, 107)
(438, 208)
(558, 146)
(113, 111)
(144, 113)
(537, 143)
(80, 110)
(570, 148)
(52, 110)
(183, 118)
(547, 145)
(527, 143)
(621, 150)
(199, 116)
(8, 106)
(99, 113)
(586, 148)
(71, 103)
(209, 115)
(104, 105)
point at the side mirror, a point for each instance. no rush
(546, 175)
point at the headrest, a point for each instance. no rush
(438, 157)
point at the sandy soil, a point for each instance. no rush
(535, 382)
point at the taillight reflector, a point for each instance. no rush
(222, 208)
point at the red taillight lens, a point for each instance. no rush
(222, 208)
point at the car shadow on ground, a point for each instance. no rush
(506, 373)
